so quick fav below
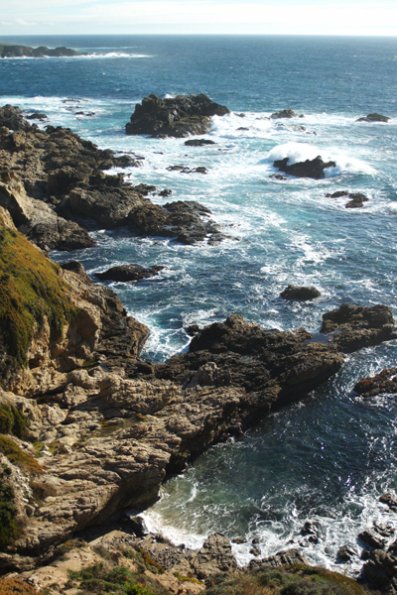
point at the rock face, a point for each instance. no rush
(300, 293)
(22, 51)
(129, 272)
(178, 116)
(374, 118)
(353, 327)
(60, 180)
(311, 168)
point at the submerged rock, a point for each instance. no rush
(310, 168)
(129, 272)
(373, 118)
(285, 113)
(357, 199)
(300, 293)
(199, 142)
(178, 116)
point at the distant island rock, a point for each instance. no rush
(374, 118)
(177, 117)
(23, 51)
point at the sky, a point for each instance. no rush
(303, 17)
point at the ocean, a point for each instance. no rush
(330, 457)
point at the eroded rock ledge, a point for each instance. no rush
(54, 185)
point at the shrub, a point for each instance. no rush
(17, 456)
(12, 421)
(9, 528)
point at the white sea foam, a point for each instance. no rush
(299, 152)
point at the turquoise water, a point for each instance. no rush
(332, 456)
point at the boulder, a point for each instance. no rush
(37, 116)
(300, 293)
(345, 554)
(129, 272)
(177, 117)
(310, 168)
(374, 118)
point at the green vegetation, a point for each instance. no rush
(12, 421)
(9, 528)
(31, 291)
(17, 456)
(118, 580)
(292, 580)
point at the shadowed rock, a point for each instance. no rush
(285, 114)
(310, 168)
(129, 272)
(178, 116)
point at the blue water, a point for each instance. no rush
(327, 459)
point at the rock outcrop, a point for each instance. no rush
(129, 272)
(59, 179)
(383, 383)
(310, 168)
(178, 116)
(285, 114)
(351, 327)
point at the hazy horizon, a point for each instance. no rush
(201, 17)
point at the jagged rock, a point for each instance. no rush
(373, 118)
(300, 293)
(215, 556)
(178, 116)
(287, 558)
(371, 538)
(129, 272)
(357, 199)
(11, 117)
(311, 530)
(310, 168)
(285, 113)
(276, 366)
(351, 327)
(183, 169)
(380, 571)
(383, 383)
(38, 221)
(199, 142)
(345, 554)
(37, 116)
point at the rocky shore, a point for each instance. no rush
(89, 429)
